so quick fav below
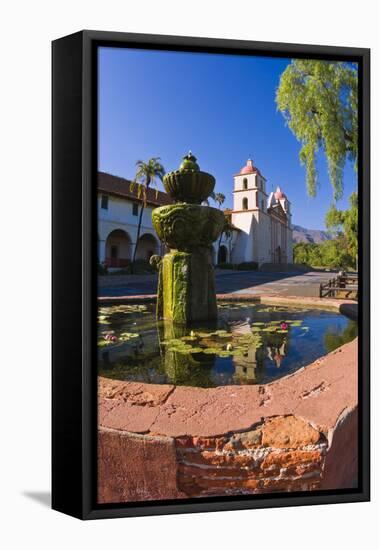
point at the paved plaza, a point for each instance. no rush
(243, 282)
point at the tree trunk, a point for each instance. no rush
(138, 232)
(219, 244)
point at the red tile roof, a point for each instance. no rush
(249, 168)
(114, 185)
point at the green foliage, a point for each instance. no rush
(247, 266)
(344, 224)
(318, 100)
(219, 198)
(334, 339)
(102, 268)
(226, 266)
(332, 254)
(244, 266)
(146, 174)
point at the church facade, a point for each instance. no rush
(262, 221)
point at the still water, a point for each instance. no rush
(250, 344)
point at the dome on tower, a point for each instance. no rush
(249, 168)
(279, 194)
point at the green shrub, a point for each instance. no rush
(226, 266)
(247, 266)
(102, 268)
(330, 254)
(141, 267)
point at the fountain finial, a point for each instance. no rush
(189, 184)
(189, 163)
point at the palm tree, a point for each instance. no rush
(146, 175)
(219, 198)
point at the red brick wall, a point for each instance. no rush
(284, 454)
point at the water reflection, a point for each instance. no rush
(249, 345)
(184, 369)
(334, 339)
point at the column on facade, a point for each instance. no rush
(101, 251)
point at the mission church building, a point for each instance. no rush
(261, 228)
(264, 221)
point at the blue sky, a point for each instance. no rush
(222, 107)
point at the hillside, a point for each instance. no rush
(303, 235)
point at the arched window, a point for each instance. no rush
(244, 182)
(245, 204)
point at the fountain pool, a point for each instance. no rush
(250, 343)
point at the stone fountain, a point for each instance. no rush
(186, 287)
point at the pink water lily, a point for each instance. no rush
(283, 326)
(110, 337)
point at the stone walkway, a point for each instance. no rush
(244, 282)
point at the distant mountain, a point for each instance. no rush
(303, 235)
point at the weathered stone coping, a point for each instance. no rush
(346, 307)
(318, 393)
(296, 433)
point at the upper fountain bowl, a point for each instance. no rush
(189, 184)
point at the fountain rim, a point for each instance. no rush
(189, 171)
(348, 308)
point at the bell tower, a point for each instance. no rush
(249, 211)
(249, 191)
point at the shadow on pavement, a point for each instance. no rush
(225, 282)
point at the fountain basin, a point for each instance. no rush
(186, 227)
(298, 433)
(295, 433)
(190, 186)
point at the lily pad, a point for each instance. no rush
(204, 334)
(225, 354)
(104, 343)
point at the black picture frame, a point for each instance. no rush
(74, 406)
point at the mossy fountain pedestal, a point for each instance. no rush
(186, 289)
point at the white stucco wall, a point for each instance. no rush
(262, 238)
(252, 243)
(119, 215)
(121, 210)
(243, 248)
